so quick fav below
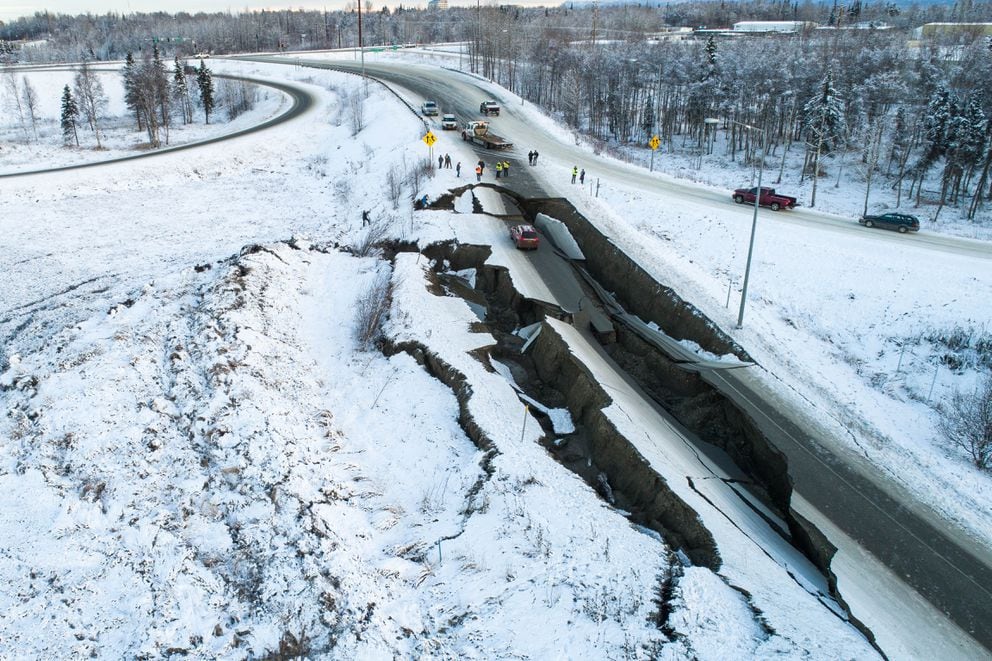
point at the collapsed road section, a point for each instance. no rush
(669, 477)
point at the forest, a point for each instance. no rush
(857, 84)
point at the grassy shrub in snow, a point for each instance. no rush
(967, 423)
(371, 308)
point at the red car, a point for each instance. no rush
(524, 237)
(769, 198)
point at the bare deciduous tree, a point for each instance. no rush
(371, 309)
(91, 98)
(967, 423)
(14, 99)
(30, 97)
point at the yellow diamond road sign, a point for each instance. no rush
(430, 139)
(654, 142)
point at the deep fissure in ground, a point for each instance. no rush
(596, 451)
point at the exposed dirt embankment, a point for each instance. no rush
(653, 504)
(707, 414)
(620, 274)
(550, 371)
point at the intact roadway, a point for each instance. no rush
(302, 101)
(461, 93)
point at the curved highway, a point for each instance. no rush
(461, 93)
(302, 101)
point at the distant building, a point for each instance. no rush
(945, 30)
(772, 26)
(433, 5)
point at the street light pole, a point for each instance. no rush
(361, 49)
(754, 226)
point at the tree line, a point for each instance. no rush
(154, 95)
(849, 99)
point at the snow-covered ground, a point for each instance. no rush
(27, 146)
(194, 448)
(713, 166)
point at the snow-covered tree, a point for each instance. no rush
(823, 118)
(936, 121)
(158, 79)
(30, 98)
(180, 91)
(967, 423)
(131, 95)
(70, 111)
(14, 99)
(91, 98)
(204, 80)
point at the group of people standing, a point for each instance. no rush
(502, 169)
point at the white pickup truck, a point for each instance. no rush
(478, 132)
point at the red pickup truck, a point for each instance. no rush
(769, 198)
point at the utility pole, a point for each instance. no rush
(595, 15)
(754, 226)
(361, 49)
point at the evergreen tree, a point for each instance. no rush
(205, 82)
(935, 124)
(711, 54)
(131, 95)
(973, 142)
(159, 80)
(180, 90)
(823, 117)
(70, 111)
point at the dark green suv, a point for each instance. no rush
(900, 222)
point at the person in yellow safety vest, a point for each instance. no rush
(506, 169)
(499, 168)
(575, 173)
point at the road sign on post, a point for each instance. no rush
(429, 139)
(653, 143)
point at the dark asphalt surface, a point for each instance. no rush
(943, 571)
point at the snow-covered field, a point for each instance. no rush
(37, 146)
(197, 456)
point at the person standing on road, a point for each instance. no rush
(458, 169)
(499, 168)
(506, 169)
(582, 176)
(530, 157)
(482, 165)
(535, 157)
(447, 161)
(478, 172)
(440, 161)
(575, 173)
(366, 220)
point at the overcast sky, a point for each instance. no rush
(10, 9)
